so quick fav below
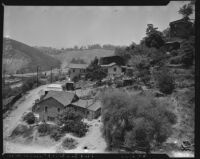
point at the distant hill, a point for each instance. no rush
(65, 56)
(19, 57)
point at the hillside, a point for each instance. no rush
(65, 56)
(19, 57)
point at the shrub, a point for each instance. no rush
(19, 130)
(29, 118)
(71, 122)
(165, 81)
(135, 120)
(56, 134)
(43, 129)
(80, 129)
(69, 143)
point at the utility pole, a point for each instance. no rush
(51, 74)
(37, 76)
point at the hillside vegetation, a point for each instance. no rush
(19, 57)
(66, 56)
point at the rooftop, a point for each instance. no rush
(109, 65)
(84, 66)
(88, 104)
(54, 86)
(65, 98)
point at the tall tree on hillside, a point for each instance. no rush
(154, 37)
(186, 10)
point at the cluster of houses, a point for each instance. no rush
(57, 98)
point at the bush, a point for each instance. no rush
(69, 143)
(29, 118)
(135, 120)
(56, 134)
(71, 122)
(19, 130)
(44, 129)
(165, 81)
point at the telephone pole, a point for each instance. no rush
(51, 74)
(37, 76)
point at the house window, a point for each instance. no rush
(58, 110)
(115, 69)
(45, 109)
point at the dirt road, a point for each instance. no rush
(22, 105)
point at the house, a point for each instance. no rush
(90, 108)
(181, 28)
(111, 59)
(53, 103)
(53, 87)
(172, 45)
(112, 69)
(77, 70)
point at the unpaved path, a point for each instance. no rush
(21, 106)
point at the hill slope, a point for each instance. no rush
(19, 57)
(65, 56)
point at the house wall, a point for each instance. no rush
(52, 109)
(94, 114)
(112, 72)
(76, 72)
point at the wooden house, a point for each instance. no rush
(77, 70)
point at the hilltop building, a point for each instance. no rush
(181, 28)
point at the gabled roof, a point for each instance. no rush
(184, 20)
(95, 106)
(83, 66)
(109, 65)
(88, 104)
(65, 98)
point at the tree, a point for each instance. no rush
(70, 120)
(94, 71)
(165, 81)
(123, 52)
(135, 120)
(186, 10)
(154, 37)
(187, 54)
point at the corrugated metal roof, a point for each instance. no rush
(62, 97)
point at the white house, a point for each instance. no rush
(112, 69)
(77, 70)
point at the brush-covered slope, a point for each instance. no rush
(65, 56)
(19, 57)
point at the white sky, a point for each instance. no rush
(66, 26)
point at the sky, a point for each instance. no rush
(66, 26)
